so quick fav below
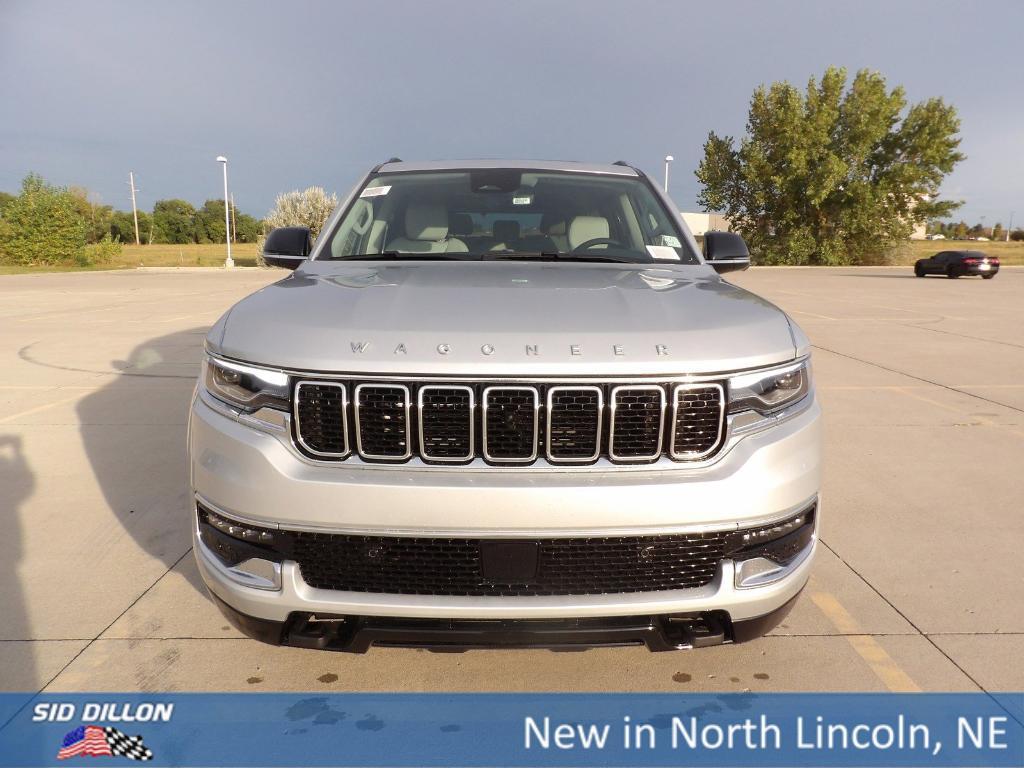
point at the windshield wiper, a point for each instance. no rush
(405, 256)
(555, 256)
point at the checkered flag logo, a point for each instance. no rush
(127, 746)
(97, 741)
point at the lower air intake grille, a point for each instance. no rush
(586, 566)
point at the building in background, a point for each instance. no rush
(699, 223)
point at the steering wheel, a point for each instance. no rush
(593, 242)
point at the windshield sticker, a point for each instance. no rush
(670, 240)
(374, 191)
(523, 200)
(663, 253)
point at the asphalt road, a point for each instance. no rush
(918, 585)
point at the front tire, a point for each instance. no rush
(918, 270)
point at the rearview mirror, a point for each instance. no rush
(287, 247)
(726, 251)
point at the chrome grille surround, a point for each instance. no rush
(486, 448)
(360, 388)
(681, 389)
(615, 410)
(424, 428)
(572, 428)
(522, 422)
(297, 400)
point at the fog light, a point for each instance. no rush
(757, 572)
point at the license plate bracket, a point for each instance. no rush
(509, 562)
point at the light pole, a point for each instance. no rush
(668, 159)
(228, 262)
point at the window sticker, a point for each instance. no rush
(374, 191)
(522, 200)
(663, 253)
(669, 240)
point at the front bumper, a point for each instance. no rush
(256, 476)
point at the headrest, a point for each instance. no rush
(584, 228)
(460, 224)
(506, 230)
(426, 221)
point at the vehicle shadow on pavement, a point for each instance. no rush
(17, 660)
(133, 431)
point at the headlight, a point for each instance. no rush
(770, 391)
(245, 387)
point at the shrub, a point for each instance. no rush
(307, 208)
(42, 225)
(104, 251)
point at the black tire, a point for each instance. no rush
(987, 277)
(952, 273)
(918, 270)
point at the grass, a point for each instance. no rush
(244, 254)
(189, 255)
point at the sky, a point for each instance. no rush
(297, 94)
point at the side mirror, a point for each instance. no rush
(726, 251)
(287, 247)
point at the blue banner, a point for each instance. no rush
(740, 729)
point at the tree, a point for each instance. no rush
(42, 225)
(209, 222)
(5, 198)
(122, 226)
(96, 215)
(173, 221)
(834, 176)
(998, 233)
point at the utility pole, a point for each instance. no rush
(234, 229)
(135, 212)
(1008, 228)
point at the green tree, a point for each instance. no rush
(209, 222)
(173, 221)
(834, 176)
(5, 198)
(42, 225)
(122, 227)
(998, 233)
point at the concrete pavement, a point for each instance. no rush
(917, 586)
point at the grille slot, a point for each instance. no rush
(439, 566)
(637, 423)
(511, 424)
(321, 424)
(574, 424)
(382, 421)
(446, 415)
(698, 419)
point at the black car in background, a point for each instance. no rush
(958, 263)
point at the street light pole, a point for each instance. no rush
(228, 262)
(668, 159)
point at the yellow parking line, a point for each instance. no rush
(881, 663)
(38, 408)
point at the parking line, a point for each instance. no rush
(881, 663)
(38, 408)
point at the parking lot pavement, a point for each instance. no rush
(916, 586)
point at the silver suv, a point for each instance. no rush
(505, 404)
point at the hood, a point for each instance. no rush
(504, 318)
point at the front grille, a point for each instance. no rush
(574, 423)
(698, 419)
(382, 421)
(508, 424)
(439, 566)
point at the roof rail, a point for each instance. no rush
(389, 160)
(632, 167)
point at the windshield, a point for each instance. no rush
(508, 214)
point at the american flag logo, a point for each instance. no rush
(97, 741)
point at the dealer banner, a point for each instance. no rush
(318, 729)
